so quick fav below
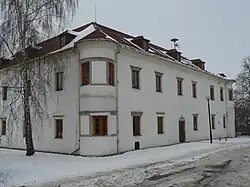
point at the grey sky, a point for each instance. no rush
(217, 31)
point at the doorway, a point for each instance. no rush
(182, 133)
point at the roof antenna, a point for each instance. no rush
(95, 13)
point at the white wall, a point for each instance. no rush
(77, 103)
(58, 104)
(97, 98)
(148, 101)
(97, 145)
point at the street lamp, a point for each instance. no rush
(209, 119)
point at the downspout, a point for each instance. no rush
(226, 102)
(77, 52)
(118, 50)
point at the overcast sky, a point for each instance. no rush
(217, 31)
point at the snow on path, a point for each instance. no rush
(17, 169)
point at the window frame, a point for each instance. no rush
(135, 77)
(180, 86)
(102, 123)
(194, 89)
(58, 128)
(85, 73)
(110, 73)
(136, 122)
(195, 122)
(3, 126)
(230, 94)
(160, 126)
(4, 93)
(213, 121)
(212, 94)
(221, 94)
(158, 82)
(59, 85)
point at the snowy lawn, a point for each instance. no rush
(17, 169)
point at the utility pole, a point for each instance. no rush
(209, 119)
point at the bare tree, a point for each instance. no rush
(242, 94)
(25, 23)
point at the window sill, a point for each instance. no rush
(100, 135)
(180, 95)
(84, 84)
(136, 88)
(195, 97)
(136, 134)
(195, 130)
(58, 137)
(159, 91)
(162, 133)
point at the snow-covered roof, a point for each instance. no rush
(84, 31)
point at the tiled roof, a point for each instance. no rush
(94, 30)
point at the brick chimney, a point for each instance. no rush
(141, 42)
(175, 54)
(199, 63)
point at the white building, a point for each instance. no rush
(118, 93)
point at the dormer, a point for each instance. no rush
(174, 54)
(65, 38)
(141, 42)
(222, 75)
(199, 63)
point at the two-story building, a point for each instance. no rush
(117, 92)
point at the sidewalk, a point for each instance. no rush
(17, 169)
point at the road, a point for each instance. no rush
(225, 168)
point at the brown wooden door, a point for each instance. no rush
(182, 134)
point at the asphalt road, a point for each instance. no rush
(224, 169)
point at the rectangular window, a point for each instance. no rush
(100, 125)
(4, 93)
(59, 81)
(194, 92)
(160, 123)
(3, 127)
(135, 79)
(213, 121)
(224, 122)
(85, 73)
(111, 74)
(230, 94)
(179, 86)
(158, 81)
(195, 122)
(212, 92)
(136, 125)
(221, 94)
(59, 128)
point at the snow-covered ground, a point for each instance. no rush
(17, 169)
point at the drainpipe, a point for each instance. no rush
(77, 51)
(118, 50)
(226, 102)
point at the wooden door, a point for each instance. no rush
(182, 133)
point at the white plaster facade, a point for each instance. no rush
(75, 104)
